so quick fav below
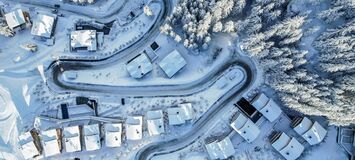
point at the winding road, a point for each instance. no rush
(200, 126)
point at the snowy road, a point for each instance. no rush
(203, 124)
(102, 16)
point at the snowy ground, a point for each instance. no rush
(117, 75)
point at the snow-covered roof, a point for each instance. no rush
(51, 148)
(83, 39)
(267, 107)
(172, 63)
(43, 26)
(50, 142)
(246, 128)
(281, 142)
(139, 66)
(187, 110)
(92, 137)
(260, 101)
(71, 137)
(220, 149)
(155, 122)
(157, 114)
(15, 18)
(176, 116)
(113, 134)
(25, 137)
(134, 127)
(29, 150)
(288, 147)
(303, 126)
(271, 110)
(27, 145)
(313, 133)
(80, 110)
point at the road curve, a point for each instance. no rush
(216, 110)
(56, 68)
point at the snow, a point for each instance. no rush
(220, 149)
(246, 128)
(155, 122)
(92, 137)
(315, 134)
(303, 126)
(113, 134)
(267, 107)
(71, 137)
(29, 150)
(83, 39)
(43, 26)
(15, 18)
(134, 127)
(115, 74)
(176, 116)
(288, 147)
(139, 66)
(172, 63)
(50, 142)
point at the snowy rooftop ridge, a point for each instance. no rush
(71, 137)
(134, 127)
(245, 127)
(27, 146)
(83, 39)
(15, 18)
(139, 66)
(155, 122)
(288, 147)
(172, 63)
(267, 107)
(50, 142)
(43, 26)
(220, 149)
(312, 132)
(113, 134)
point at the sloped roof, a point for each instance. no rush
(220, 149)
(187, 110)
(71, 137)
(288, 147)
(271, 110)
(113, 134)
(50, 142)
(51, 148)
(260, 101)
(176, 116)
(134, 127)
(155, 126)
(155, 122)
(246, 128)
(139, 66)
(29, 150)
(92, 137)
(303, 126)
(293, 150)
(315, 134)
(267, 107)
(43, 26)
(15, 18)
(172, 63)
(84, 38)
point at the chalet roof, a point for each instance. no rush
(172, 63)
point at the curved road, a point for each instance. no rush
(201, 125)
(100, 16)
